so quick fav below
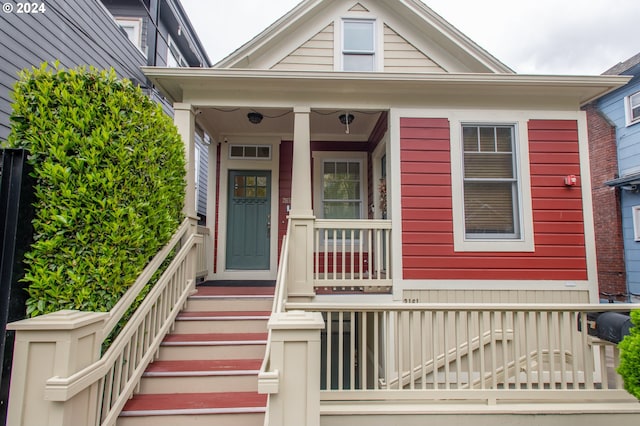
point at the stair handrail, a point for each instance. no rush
(117, 312)
(181, 274)
(279, 300)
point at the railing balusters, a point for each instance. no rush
(376, 351)
(407, 347)
(364, 330)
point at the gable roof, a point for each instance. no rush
(449, 45)
(624, 67)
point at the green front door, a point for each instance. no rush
(249, 220)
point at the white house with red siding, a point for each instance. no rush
(425, 213)
(485, 171)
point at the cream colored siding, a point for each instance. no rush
(495, 296)
(314, 55)
(401, 56)
(358, 8)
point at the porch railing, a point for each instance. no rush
(352, 253)
(204, 250)
(111, 380)
(472, 352)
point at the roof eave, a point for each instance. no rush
(583, 88)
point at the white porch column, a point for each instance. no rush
(212, 189)
(294, 382)
(300, 273)
(184, 119)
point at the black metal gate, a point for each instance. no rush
(16, 234)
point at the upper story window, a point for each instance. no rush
(358, 45)
(174, 57)
(490, 182)
(633, 108)
(133, 29)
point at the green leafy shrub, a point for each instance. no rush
(110, 174)
(629, 367)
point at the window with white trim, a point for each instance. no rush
(490, 182)
(635, 212)
(358, 45)
(132, 27)
(632, 107)
(174, 56)
(342, 189)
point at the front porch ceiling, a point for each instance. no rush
(325, 123)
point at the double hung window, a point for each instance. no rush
(633, 108)
(341, 189)
(490, 183)
(358, 45)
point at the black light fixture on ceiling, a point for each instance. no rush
(255, 117)
(346, 119)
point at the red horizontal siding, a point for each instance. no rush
(427, 228)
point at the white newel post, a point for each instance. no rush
(184, 119)
(295, 355)
(300, 273)
(54, 345)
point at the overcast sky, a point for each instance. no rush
(530, 36)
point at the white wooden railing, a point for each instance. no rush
(204, 251)
(352, 253)
(471, 352)
(117, 373)
(267, 377)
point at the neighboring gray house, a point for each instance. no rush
(621, 110)
(123, 34)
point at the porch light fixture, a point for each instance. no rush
(255, 117)
(346, 119)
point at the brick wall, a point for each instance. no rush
(606, 204)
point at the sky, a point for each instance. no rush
(579, 37)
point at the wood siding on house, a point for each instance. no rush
(284, 189)
(314, 55)
(427, 228)
(628, 156)
(495, 296)
(402, 56)
(72, 31)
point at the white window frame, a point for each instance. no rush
(372, 53)
(136, 25)
(244, 149)
(515, 235)
(319, 158)
(635, 215)
(630, 102)
(174, 56)
(525, 242)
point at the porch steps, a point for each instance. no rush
(207, 368)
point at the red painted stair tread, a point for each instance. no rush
(204, 365)
(234, 291)
(215, 337)
(194, 401)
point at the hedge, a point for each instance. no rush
(110, 172)
(629, 367)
